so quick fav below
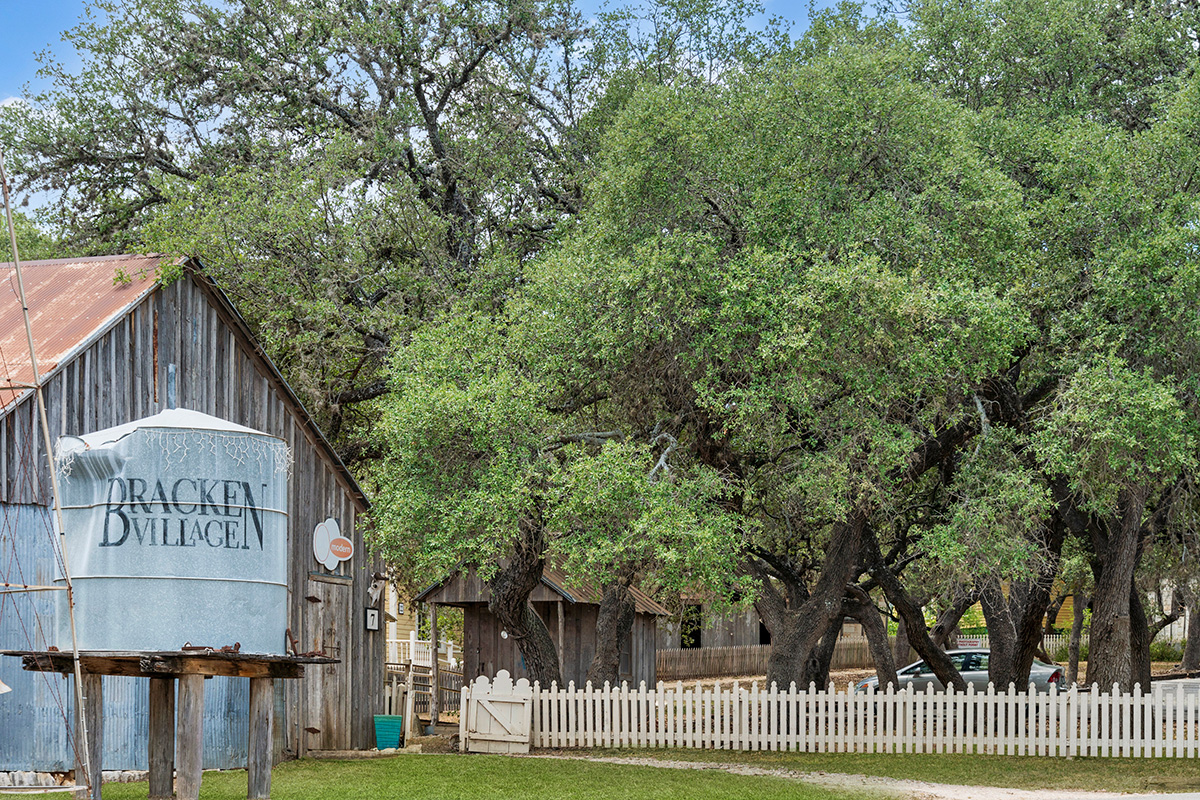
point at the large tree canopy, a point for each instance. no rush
(345, 169)
(904, 307)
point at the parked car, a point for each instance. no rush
(973, 666)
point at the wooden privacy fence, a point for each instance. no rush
(850, 652)
(1163, 723)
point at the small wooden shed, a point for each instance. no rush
(570, 611)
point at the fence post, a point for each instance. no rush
(463, 708)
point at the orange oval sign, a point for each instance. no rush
(341, 547)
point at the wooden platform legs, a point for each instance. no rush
(162, 738)
(190, 736)
(262, 710)
(93, 698)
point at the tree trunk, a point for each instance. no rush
(508, 600)
(795, 625)
(1027, 603)
(945, 630)
(1110, 657)
(1079, 606)
(902, 650)
(816, 668)
(613, 625)
(1191, 649)
(1052, 613)
(863, 610)
(1139, 640)
(1002, 634)
(1168, 617)
(911, 613)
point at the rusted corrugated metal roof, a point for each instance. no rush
(71, 300)
(584, 591)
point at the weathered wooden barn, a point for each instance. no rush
(570, 612)
(108, 349)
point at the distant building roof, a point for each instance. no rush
(71, 302)
(554, 585)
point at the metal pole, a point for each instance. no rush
(62, 538)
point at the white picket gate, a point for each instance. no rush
(496, 715)
(1162, 723)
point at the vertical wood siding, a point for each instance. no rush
(486, 652)
(122, 376)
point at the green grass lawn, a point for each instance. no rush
(1016, 772)
(453, 777)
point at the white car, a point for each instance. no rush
(973, 666)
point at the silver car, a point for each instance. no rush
(973, 666)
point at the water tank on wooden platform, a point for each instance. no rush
(176, 529)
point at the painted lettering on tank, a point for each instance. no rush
(167, 515)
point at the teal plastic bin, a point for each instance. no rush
(388, 730)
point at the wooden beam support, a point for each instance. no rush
(233, 665)
(562, 626)
(93, 718)
(184, 665)
(435, 673)
(177, 739)
(262, 710)
(190, 736)
(162, 738)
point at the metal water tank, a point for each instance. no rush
(176, 529)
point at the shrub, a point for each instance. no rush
(1166, 651)
(1063, 652)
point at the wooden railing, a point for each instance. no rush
(1163, 723)
(419, 681)
(418, 651)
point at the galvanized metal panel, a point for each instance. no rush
(36, 706)
(34, 727)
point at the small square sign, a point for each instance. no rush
(372, 619)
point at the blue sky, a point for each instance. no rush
(27, 27)
(30, 26)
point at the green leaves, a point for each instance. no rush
(1114, 428)
(621, 507)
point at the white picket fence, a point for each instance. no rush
(1162, 723)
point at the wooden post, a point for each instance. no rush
(262, 709)
(190, 736)
(162, 738)
(410, 706)
(93, 718)
(561, 637)
(435, 671)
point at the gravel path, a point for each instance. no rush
(886, 787)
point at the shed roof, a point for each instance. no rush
(74, 301)
(573, 591)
